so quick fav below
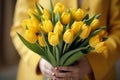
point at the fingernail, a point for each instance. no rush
(56, 68)
(53, 74)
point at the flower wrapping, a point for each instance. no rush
(62, 36)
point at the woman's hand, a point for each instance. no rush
(75, 72)
(46, 68)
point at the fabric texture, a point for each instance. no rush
(103, 67)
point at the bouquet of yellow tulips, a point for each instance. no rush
(62, 36)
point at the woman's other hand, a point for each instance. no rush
(74, 72)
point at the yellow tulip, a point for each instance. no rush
(76, 26)
(25, 23)
(34, 20)
(101, 47)
(31, 36)
(68, 36)
(58, 28)
(73, 11)
(65, 18)
(46, 14)
(95, 24)
(41, 41)
(94, 40)
(59, 8)
(32, 17)
(79, 14)
(85, 31)
(47, 26)
(53, 38)
(31, 12)
(33, 26)
(103, 33)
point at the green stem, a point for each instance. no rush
(64, 49)
(79, 40)
(54, 51)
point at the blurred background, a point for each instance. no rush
(9, 58)
(8, 55)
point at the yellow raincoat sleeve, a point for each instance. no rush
(103, 65)
(30, 58)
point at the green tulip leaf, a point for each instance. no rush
(34, 47)
(38, 9)
(86, 17)
(67, 26)
(57, 17)
(51, 6)
(87, 50)
(51, 58)
(49, 50)
(41, 6)
(52, 13)
(89, 21)
(57, 55)
(97, 16)
(37, 17)
(98, 30)
(60, 45)
(66, 55)
(70, 60)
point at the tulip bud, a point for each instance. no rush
(95, 24)
(102, 33)
(73, 11)
(79, 15)
(30, 24)
(25, 23)
(58, 28)
(53, 38)
(47, 26)
(94, 40)
(41, 41)
(68, 36)
(65, 18)
(31, 12)
(30, 36)
(101, 47)
(46, 14)
(34, 27)
(58, 8)
(76, 26)
(85, 31)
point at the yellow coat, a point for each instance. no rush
(103, 67)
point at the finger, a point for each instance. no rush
(63, 74)
(69, 69)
